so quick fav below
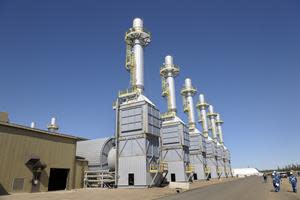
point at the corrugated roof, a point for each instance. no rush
(245, 171)
(41, 131)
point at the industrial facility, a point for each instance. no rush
(147, 149)
(153, 148)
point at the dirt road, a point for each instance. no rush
(243, 189)
(251, 188)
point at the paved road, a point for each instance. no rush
(251, 188)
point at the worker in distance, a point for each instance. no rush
(293, 181)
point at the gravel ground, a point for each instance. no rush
(98, 193)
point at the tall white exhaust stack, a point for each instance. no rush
(202, 116)
(53, 127)
(136, 39)
(219, 123)
(187, 92)
(167, 72)
(212, 117)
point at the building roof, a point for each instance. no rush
(245, 171)
(41, 131)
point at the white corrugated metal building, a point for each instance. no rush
(244, 172)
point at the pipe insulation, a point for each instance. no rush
(203, 116)
(188, 91)
(219, 123)
(190, 102)
(212, 119)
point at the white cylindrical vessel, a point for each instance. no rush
(172, 99)
(219, 128)
(138, 52)
(203, 114)
(53, 126)
(170, 81)
(190, 103)
(53, 121)
(188, 83)
(212, 122)
(169, 60)
(201, 98)
(32, 125)
(137, 23)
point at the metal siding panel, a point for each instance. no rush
(19, 144)
(133, 155)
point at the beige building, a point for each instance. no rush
(34, 160)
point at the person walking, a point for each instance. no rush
(293, 181)
(276, 182)
(265, 177)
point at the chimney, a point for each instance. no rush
(4, 117)
(53, 127)
(32, 125)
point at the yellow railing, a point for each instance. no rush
(167, 115)
(161, 167)
(173, 66)
(127, 92)
(137, 30)
(207, 170)
(165, 69)
(186, 90)
(199, 105)
(190, 168)
(219, 171)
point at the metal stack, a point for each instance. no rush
(53, 127)
(225, 152)
(210, 167)
(148, 151)
(137, 120)
(214, 143)
(197, 151)
(174, 133)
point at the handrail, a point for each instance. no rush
(161, 167)
(190, 168)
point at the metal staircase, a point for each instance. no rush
(160, 170)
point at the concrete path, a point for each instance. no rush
(251, 188)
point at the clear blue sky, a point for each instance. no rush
(66, 59)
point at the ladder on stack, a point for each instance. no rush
(103, 179)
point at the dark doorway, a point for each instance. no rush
(173, 177)
(58, 179)
(195, 177)
(130, 179)
(209, 177)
